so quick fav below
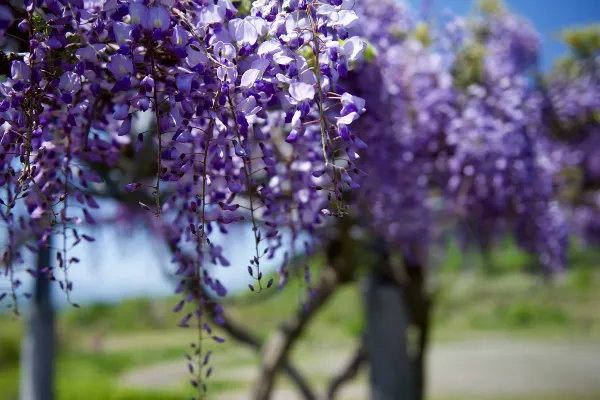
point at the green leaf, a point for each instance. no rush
(491, 6)
(584, 41)
(244, 8)
(422, 34)
(370, 51)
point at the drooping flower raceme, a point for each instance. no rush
(480, 144)
(238, 104)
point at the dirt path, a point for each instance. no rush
(477, 367)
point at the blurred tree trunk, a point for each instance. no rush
(37, 357)
(418, 304)
(391, 374)
(397, 331)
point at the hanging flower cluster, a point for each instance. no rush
(243, 109)
(452, 116)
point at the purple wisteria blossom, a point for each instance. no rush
(239, 125)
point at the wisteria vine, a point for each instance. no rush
(243, 128)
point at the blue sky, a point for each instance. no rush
(122, 264)
(112, 269)
(548, 16)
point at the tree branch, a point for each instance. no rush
(349, 372)
(280, 343)
(238, 333)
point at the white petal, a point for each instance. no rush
(307, 36)
(282, 59)
(246, 33)
(248, 106)
(348, 119)
(290, 23)
(220, 125)
(283, 79)
(268, 47)
(249, 78)
(301, 91)
(325, 83)
(221, 71)
(224, 50)
(232, 74)
(303, 23)
(259, 24)
(233, 26)
(307, 76)
(195, 57)
(301, 63)
(296, 123)
(333, 19)
(260, 64)
(221, 36)
(227, 5)
(347, 18)
(353, 48)
(333, 44)
(211, 14)
(325, 9)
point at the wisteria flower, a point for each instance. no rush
(216, 13)
(139, 13)
(196, 59)
(158, 18)
(184, 80)
(20, 71)
(122, 32)
(243, 32)
(248, 107)
(125, 127)
(353, 48)
(351, 103)
(121, 66)
(297, 32)
(6, 18)
(70, 82)
(302, 92)
(180, 36)
(121, 112)
(255, 72)
(90, 53)
(213, 97)
(224, 51)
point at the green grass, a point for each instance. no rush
(518, 304)
(84, 372)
